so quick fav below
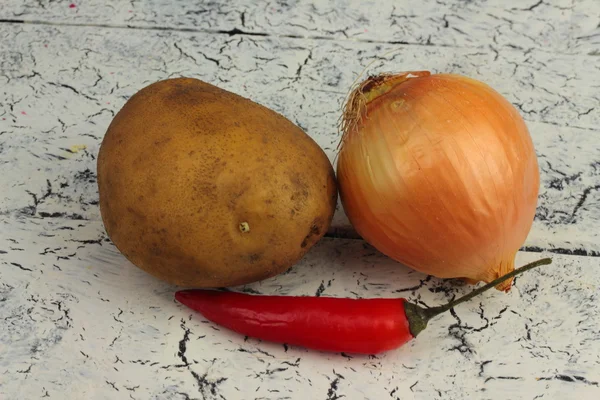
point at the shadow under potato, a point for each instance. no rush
(333, 267)
(353, 268)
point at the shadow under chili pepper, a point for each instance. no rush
(342, 268)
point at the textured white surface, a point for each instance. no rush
(568, 26)
(81, 322)
(53, 107)
(78, 321)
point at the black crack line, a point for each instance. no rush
(64, 311)
(320, 289)
(333, 387)
(242, 350)
(214, 60)
(71, 88)
(37, 201)
(90, 241)
(292, 364)
(514, 378)
(184, 54)
(203, 382)
(183, 344)
(531, 8)
(268, 371)
(89, 117)
(555, 351)
(416, 287)
(569, 378)
(299, 70)
(20, 266)
(558, 183)
(559, 250)
(236, 32)
(25, 371)
(458, 332)
(579, 114)
(582, 199)
(116, 318)
(482, 367)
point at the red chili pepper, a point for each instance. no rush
(363, 326)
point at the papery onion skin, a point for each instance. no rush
(439, 173)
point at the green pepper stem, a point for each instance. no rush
(434, 311)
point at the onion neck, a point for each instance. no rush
(376, 86)
(369, 90)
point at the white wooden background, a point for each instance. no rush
(80, 322)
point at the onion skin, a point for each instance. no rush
(439, 173)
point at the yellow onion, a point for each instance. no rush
(438, 172)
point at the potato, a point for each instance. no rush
(203, 188)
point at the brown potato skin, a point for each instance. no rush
(184, 163)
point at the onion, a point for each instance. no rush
(439, 173)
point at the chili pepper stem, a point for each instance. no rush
(418, 317)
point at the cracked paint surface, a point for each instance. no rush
(78, 318)
(79, 321)
(564, 26)
(56, 115)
